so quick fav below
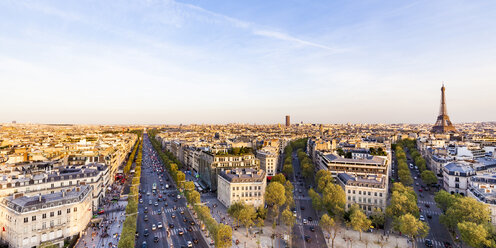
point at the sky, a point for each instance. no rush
(203, 61)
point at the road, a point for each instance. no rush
(169, 207)
(438, 233)
(304, 210)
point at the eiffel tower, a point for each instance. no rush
(443, 123)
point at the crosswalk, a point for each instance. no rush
(310, 223)
(166, 210)
(431, 212)
(435, 243)
(427, 202)
(302, 198)
(161, 233)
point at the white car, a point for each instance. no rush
(305, 221)
(178, 197)
(154, 227)
(190, 244)
(159, 225)
(422, 217)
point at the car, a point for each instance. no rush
(212, 242)
(180, 233)
(150, 202)
(175, 207)
(175, 200)
(146, 210)
(192, 223)
(310, 218)
(146, 217)
(178, 196)
(428, 243)
(190, 244)
(415, 178)
(173, 216)
(422, 218)
(159, 195)
(427, 205)
(154, 227)
(156, 204)
(429, 216)
(185, 220)
(417, 184)
(420, 190)
(182, 212)
(143, 245)
(305, 221)
(146, 233)
(447, 244)
(195, 240)
(166, 204)
(307, 239)
(312, 229)
(302, 208)
(159, 211)
(155, 239)
(171, 225)
(140, 200)
(136, 234)
(148, 193)
(190, 229)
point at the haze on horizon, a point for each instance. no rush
(156, 62)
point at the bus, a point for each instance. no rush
(154, 187)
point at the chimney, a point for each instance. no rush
(63, 193)
(18, 195)
(78, 189)
(39, 197)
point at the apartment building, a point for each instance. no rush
(241, 185)
(45, 219)
(269, 157)
(368, 192)
(456, 176)
(95, 175)
(378, 165)
(483, 189)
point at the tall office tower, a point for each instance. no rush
(288, 123)
(443, 123)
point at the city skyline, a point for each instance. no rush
(172, 62)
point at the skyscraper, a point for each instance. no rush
(288, 123)
(443, 123)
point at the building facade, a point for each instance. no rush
(268, 160)
(241, 185)
(31, 221)
(368, 192)
(456, 176)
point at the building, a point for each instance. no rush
(241, 185)
(483, 189)
(268, 160)
(46, 219)
(95, 175)
(368, 192)
(288, 122)
(377, 165)
(210, 165)
(456, 176)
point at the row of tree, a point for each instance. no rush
(170, 162)
(222, 234)
(468, 217)
(129, 225)
(404, 174)
(130, 160)
(403, 210)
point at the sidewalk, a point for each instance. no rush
(350, 238)
(107, 232)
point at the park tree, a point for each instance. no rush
(334, 199)
(330, 226)
(428, 177)
(475, 235)
(180, 178)
(289, 220)
(275, 196)
(324, 179)
(359, 221)
(401, 204)
(287, 169)
(288, 186)
(411, 226)
(193, 197)
(261, 212)
(405, 177)
(189, 185)
(465, 209)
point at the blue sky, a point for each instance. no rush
(246, 61)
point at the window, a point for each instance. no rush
(26, 220)
(380, 194)
(43, 216)
(68, 210)
(52, 214)
(59, 212)
(33, 218)
(75, 209)
(457, 179)
(375, 193)
(43, 225)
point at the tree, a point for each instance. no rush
(288, 186)
(401, 204)
(378, 217)
(246, 216)
(235, 211)
(287, 169)
(334, 199)
(465, 209)
(405, 177)
(223, 236)
(261, 212)
(411, 226)
(359, 221)
(193, 197)
(323, 180)
(280, 178)
(189, 185)
(289, 220)
(180, 178)
(444, 200)
(275, 196)
(330, 226)
(428, 177)
(316, 200)
(474, 234)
